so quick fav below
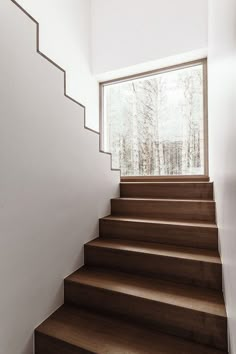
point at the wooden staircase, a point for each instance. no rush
(152, 281)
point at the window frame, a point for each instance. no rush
(184, 65)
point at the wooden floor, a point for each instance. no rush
(152, 280)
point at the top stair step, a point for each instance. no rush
(165, 179)
(172, 190)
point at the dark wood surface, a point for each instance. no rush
(189, 234)
(186, 265)
(152, 281)
(178, 190)
(165, 209)
(194, 314)
(164, 179)
(100, 334)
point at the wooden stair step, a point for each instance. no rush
(172, 190)
(189, 312)
(164, 178)
(188, 234)
(166, 209)
(188, 265)
(73, 330)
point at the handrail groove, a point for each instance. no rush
(64, 72)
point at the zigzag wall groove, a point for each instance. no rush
(64, 72)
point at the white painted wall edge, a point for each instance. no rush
(65, 38)
(153, 65)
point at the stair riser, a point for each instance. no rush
(166, 210)
(198, 237)
(49, 345)
(196, 326)
(177, 269)
(167, 190)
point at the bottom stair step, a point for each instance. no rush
(72, 330)
(193, 313)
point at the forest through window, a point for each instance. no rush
(154, 125)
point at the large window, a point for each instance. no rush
(155, 124)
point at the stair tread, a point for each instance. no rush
(165, 222)
(194, 298)
(101, 334)
(166, 200)
(204, 255)
(169, 183)
(171, 178)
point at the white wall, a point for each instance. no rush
(65, 32)
(222, 140)
(129, 32)
(88, 37)
(54, 183)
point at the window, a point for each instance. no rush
(155, 124)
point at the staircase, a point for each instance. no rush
(152, 281)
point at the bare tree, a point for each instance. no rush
(154, 124)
